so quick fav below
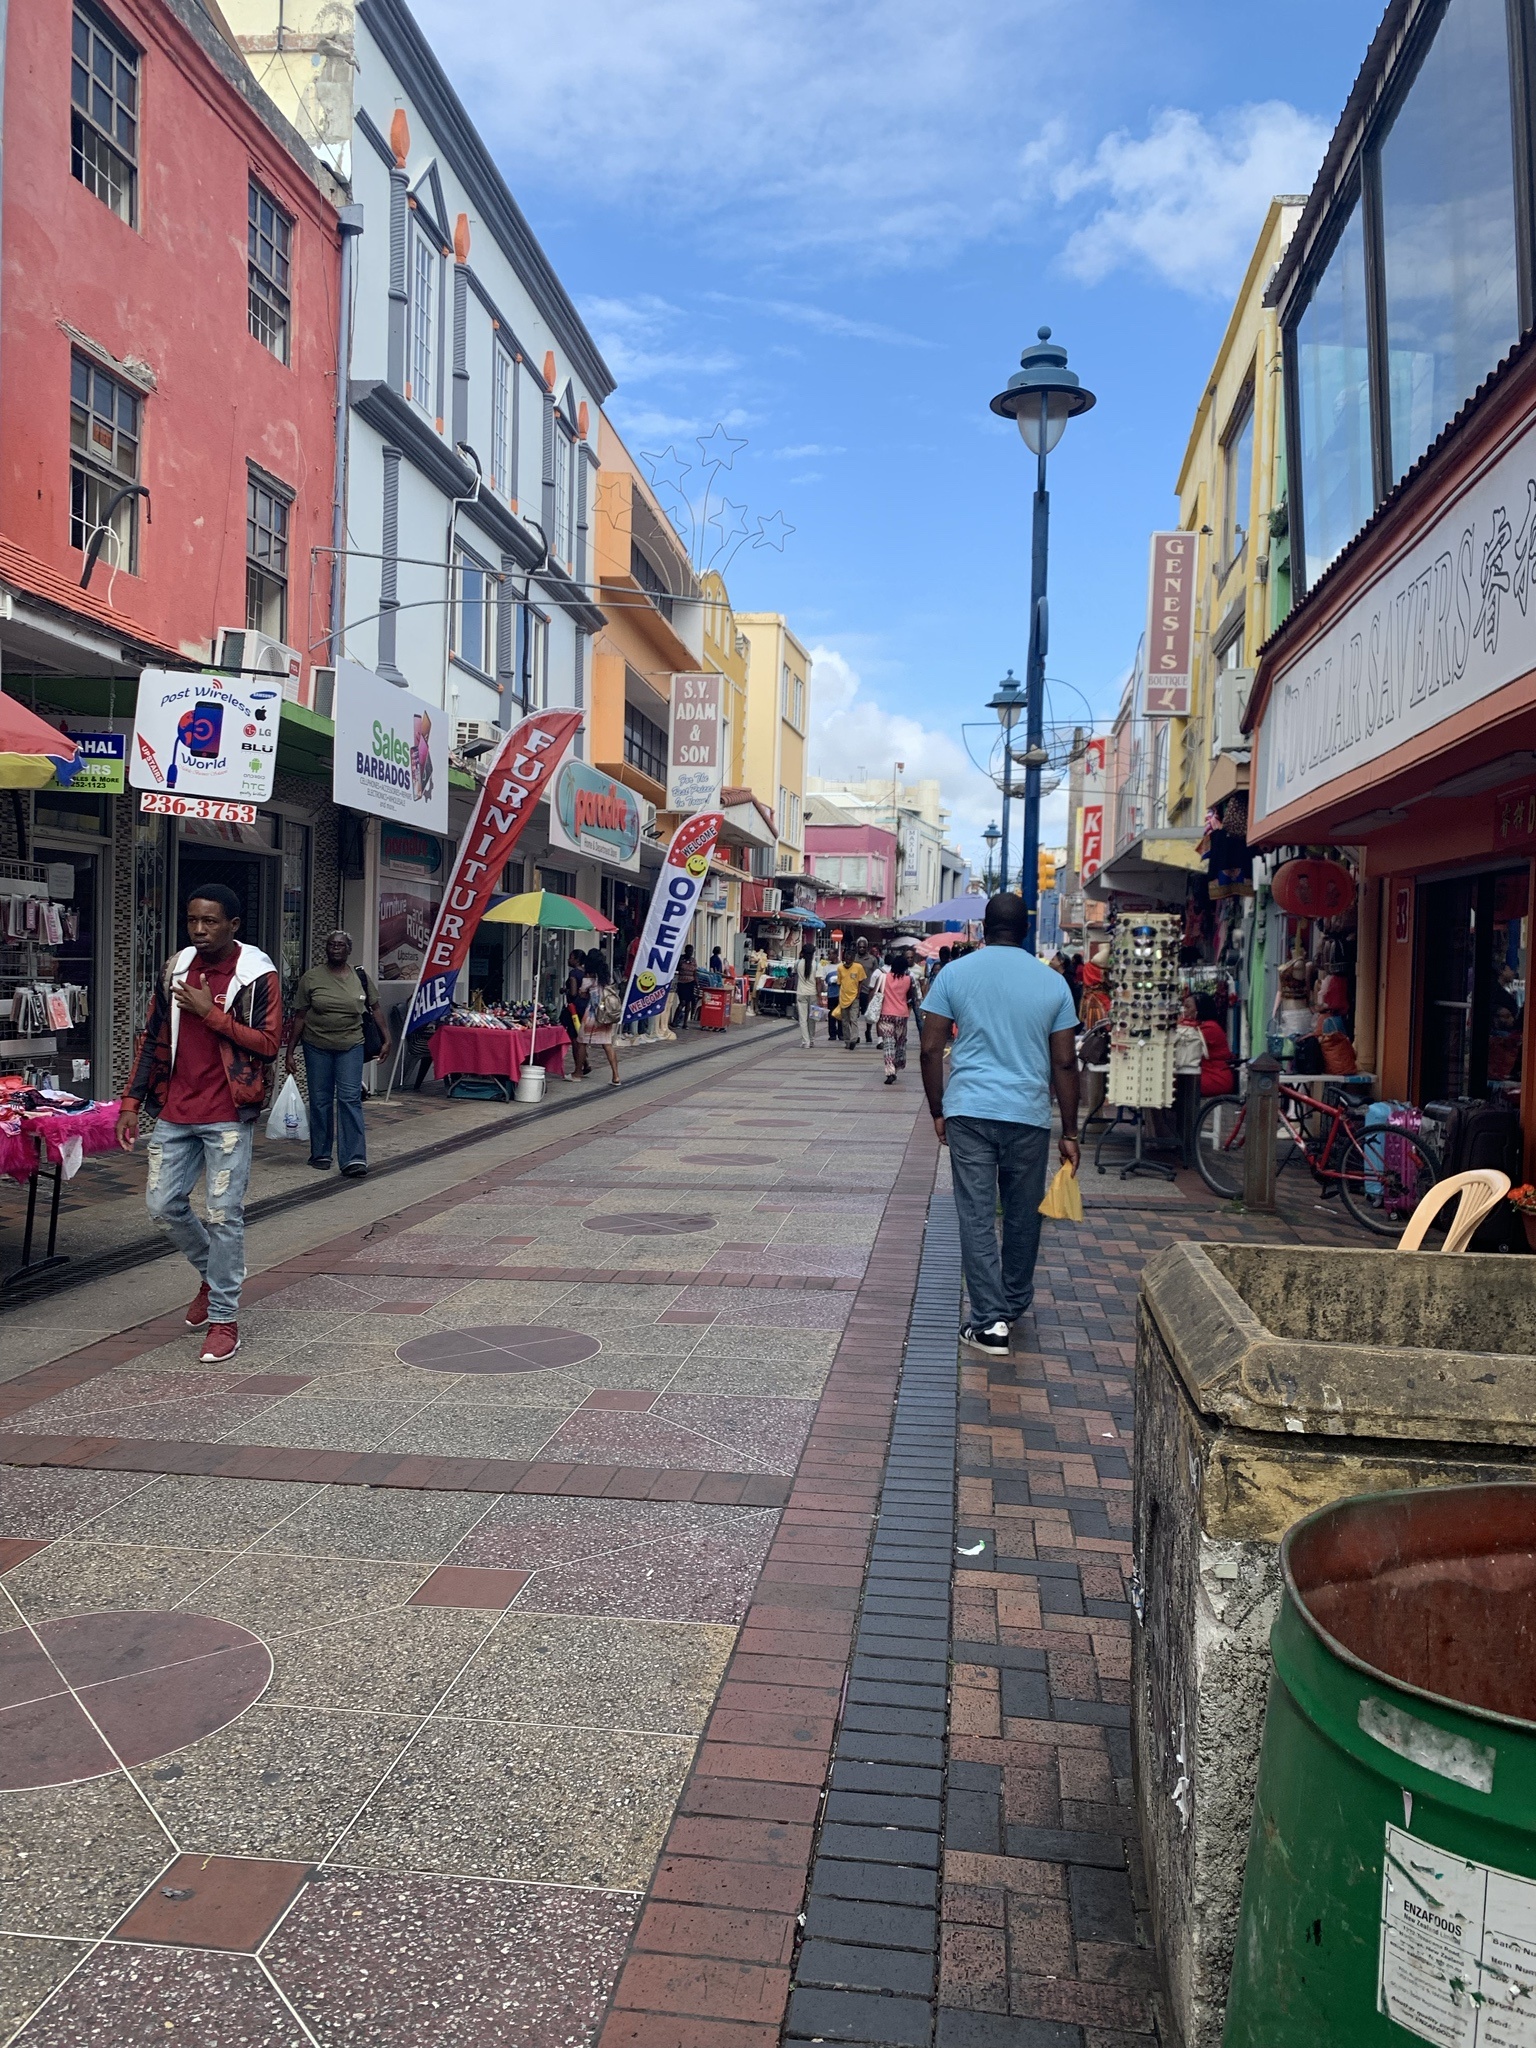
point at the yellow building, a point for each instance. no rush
(778, 706)
(1230, 483)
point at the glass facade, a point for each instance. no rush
(1333, 405)
(1448, 235)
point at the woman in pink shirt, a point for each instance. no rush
(898, 994)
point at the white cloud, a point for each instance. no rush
(804, 451)
(852, 735)
(1185, 200)
(635, 337)
(822, 320)
(880, 127)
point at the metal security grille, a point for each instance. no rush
(645, 744)
(104, 114)
(269, 236)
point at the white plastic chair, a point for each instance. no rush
(1479, 1192)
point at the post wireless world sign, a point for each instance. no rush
(205, 736)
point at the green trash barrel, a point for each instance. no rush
(1390, 1890)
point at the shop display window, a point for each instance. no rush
(1475, 944)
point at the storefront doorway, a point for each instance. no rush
(77, 963)
(1474, 940)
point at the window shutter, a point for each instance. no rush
(580, 564)
(548, 507)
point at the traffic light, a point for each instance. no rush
(1047, 870)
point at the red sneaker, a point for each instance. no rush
(222, 1341)
(197, 1314)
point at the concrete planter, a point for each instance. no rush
(1272, 1380)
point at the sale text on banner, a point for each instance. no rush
(682, 876)
(521, 769)
(205, 735)
(696, 753)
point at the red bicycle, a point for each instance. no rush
(1381, 1176)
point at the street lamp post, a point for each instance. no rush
(1042, 395)
(991, 836)
(1007, 700)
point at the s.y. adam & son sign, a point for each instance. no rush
(1451, 621)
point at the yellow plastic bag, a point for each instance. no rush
(1063, 1198)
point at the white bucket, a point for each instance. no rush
(530, 1083)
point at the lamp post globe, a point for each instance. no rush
(1040, 397)
(991, 837)
(1008, 701)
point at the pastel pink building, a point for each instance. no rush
(855, 871)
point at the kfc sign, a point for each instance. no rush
(1168, 689)
(1091, 854)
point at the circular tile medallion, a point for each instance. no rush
(499, 1347)
(150, 1682)
(647, 1223)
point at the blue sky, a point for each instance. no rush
(832, 225)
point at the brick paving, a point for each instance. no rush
(1044, 1934)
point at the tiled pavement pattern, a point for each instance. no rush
(1044, 1936)
(472, 1805)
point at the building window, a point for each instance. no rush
(533, 658)
(1333, 405)
(103, 456)
(792, 698)
(645, 744)
(268, 241)
(650, 579)
(503, 424)
(424, 261)
(104, 113)
(1237, 466)
(472, 622)
(1448, 228)
(266, 559)
(565, 499)
(789, 816)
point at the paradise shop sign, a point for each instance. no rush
(592, 814)
(523, 765)
(676, 896)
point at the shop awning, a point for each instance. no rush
(1156, 866)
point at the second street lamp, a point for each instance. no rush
(1042, 395)
(989, 873)
(1007, 700)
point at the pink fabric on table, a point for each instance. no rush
(482, 1049)
(96, 1129)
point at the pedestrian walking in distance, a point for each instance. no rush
(806, 985)
(1015, 1034)
(603, 1003)
(850, 984)
(898, 996)
(332, 1009)
(687, 987)
(202, 1069)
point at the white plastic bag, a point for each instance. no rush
(289, 1119)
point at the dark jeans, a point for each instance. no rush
(336, 1098)
(989, 1157)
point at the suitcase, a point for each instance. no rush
(1476, 1132)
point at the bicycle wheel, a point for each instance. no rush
(1382, 1188)
(1219, 1130)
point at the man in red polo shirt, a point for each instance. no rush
(203, 1069)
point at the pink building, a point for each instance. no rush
(855, 871)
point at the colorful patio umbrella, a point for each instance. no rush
(32, 753)
(551, 912)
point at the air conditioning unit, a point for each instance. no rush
(322, 684)
(773, 902)
(1230, 701)
(476, 737)
(259, 654)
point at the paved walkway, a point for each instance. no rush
(356, 1693)
(468, 1663)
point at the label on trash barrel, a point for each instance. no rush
(1458, 1948)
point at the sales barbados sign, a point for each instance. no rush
(682, 877)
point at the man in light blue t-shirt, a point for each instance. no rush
(1015, 1035)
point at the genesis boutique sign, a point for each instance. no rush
(390, 756)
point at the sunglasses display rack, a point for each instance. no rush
(1144, 1009)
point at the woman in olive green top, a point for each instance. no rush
(327, 1014)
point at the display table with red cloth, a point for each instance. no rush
(489, 1049)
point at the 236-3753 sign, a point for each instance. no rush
(161, 804)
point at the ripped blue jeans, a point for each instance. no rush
(178, 1153)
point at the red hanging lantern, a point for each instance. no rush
(1313, 888)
